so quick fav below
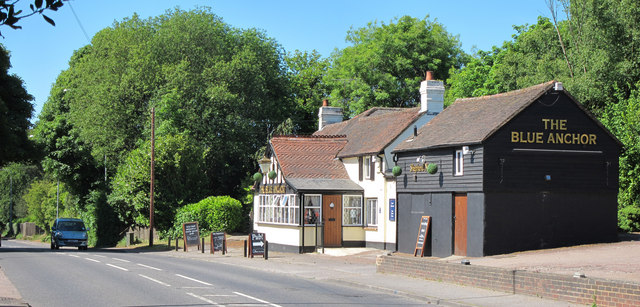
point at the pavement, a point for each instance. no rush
(356, 267)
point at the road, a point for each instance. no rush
(68, 277)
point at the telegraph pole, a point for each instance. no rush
(153, 119)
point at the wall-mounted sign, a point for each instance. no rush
(554, 132)
(417, 167)
(272, 189)
(392, 210)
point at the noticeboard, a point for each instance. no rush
(256, 243)
(392, 210)
(191, 235)
(423, 231)
(218, 242)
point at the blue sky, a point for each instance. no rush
(39, 52)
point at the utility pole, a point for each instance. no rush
(153, 119)
(10, 205)
(57, 198)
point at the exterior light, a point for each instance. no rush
(265, 164)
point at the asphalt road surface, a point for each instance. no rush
(68, 277)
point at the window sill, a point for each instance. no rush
(371, 228)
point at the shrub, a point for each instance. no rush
(215, 213)
(629, 218)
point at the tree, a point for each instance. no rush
(306, 71)
(387, 62)
(9, 15)
(179, 180)
(15, 112)
(15, 180)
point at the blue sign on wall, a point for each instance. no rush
(392, 210)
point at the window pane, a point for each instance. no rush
(312, 209)
(352, 210)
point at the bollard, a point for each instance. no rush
(176, 244)
(169, 242)
(202, 245)
(266, 250)
(245, 248)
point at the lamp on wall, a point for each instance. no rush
(421, 159)
(265, 164)
(466, 150)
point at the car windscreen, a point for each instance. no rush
(71, 226)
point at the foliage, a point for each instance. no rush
(396, 170)
(15, 180)
(105, 227)
(432, 168)
(15, 112)
(179, 162)
(257, 177)
(623, 120)
(41, 201)
(220, 213)
(387, 62)
(9, 15)
(306, 71)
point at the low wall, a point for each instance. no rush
(585, 291)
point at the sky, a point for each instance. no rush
(39, 51)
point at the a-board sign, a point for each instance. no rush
(256, 243)
(191, 235)
(423, 230)
(218, 242)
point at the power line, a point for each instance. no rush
(79, 23)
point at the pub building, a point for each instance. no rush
(522, 170)
(339, 178)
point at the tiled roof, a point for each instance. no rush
(371, 131)
(310, 157)
(473, 120)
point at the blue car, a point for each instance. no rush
(68, 232)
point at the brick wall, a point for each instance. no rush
(549, 286)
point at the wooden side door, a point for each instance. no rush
(460, 225)
(332, 215)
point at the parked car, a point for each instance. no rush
(68, 232)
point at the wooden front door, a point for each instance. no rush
(332, 216)
(460, 225)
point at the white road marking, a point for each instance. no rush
(72, 255)
(101, 256)
(193, 279)
(117, 267)
(120, 259)
(148, 267)
(220, 295)
(257, 299)
(92, 260)
(155, 280)
(204, 299)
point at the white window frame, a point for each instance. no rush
(352, 213)
(315, 209)
(366, 165)
(371, 211)
(458, 163)
(279, 209)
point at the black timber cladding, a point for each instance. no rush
(547, 176)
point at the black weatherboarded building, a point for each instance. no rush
(522, 170)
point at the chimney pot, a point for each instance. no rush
(429, 75)
(325, 103)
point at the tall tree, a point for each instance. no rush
(386, 63)
(15, 111)
(10, 15)
(306, 71)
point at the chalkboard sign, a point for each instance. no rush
(423, 230)
(256, 243)
(191, 235)
(218, 242)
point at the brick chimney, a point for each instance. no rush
(328, 115)
(431, 95)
